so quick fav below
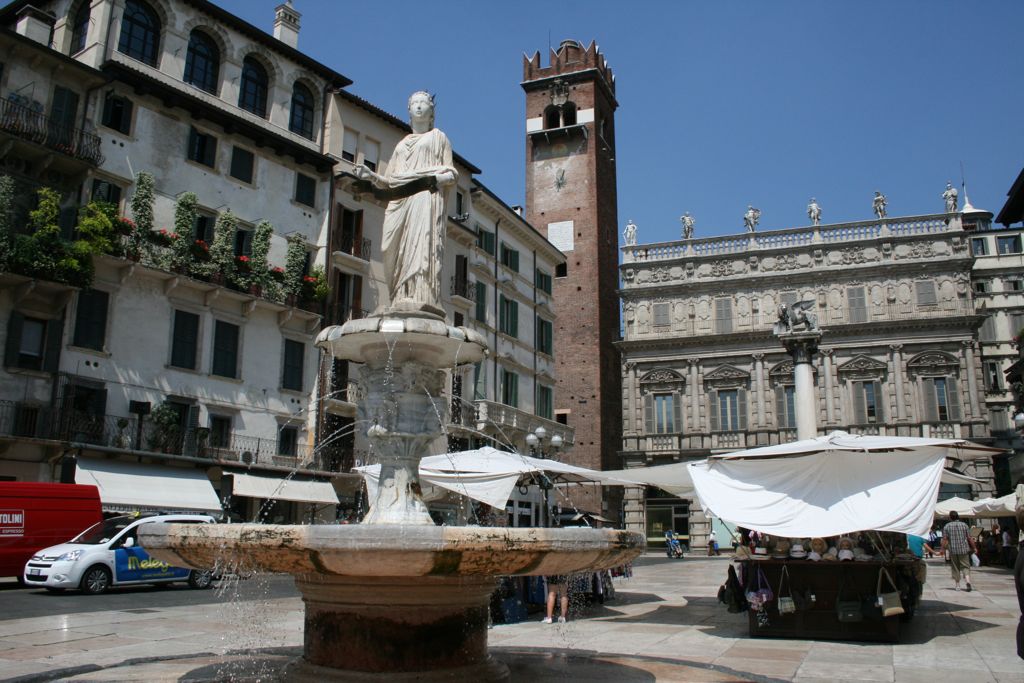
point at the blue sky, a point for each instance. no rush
(721, 104)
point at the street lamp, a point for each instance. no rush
(535, 440)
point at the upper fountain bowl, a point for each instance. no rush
(380, 340)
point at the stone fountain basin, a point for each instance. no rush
(391, 550)
(378, 341)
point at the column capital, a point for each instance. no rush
(896, 348)
(828, 353)
(969, 344)
(693, 362)
(759, 356)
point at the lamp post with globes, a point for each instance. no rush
(538, 442)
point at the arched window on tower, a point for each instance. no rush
(301, 120)
(552, 117)
(568, 114)
(253, 94)
(202, 63)
(80, 27)
(140, 32)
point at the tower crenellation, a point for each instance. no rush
(569, 58)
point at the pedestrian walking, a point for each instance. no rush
(956, 538)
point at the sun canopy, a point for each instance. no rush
(1004, 506)
(487, 474)
(674, 478)
(135, 486)
(280, 488)
(830, 485)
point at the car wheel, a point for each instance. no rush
(96, 580)
(200, 578)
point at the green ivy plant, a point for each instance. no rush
(185, 212)
(294, 265)
(222, 251)
(7, 190)
(142, 212)
(44, 254)
(259, 274)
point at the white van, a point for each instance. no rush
(107, 554)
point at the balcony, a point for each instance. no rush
(27, 421)
(793, 238)
(25, 123)
(464, 289)
(765, 322)
(507, 424)
(352, 255)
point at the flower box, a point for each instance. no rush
(200, 250)
(162, 237)
(124, 226)
(276, 273)
(242, 263)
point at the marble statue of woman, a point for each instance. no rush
(414, 223)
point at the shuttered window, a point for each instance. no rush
(184, 343)
(479, 382)
(728, 410)
(288, 441)
(545, 402)
(941, 399)
(509, 388)
(485, 240)
(481, 301)
(294, 361)
(225, 350)
(856, 303)
(545, 332)
(867, 402)
(785, 407)
(508, 316)
(723, 315)
(926, 292)
(32, 343)
(91, 319)
(509, 257)
(661, 315)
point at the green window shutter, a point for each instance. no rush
(54, 340)
(879, 403)
(13, 345)
(859, 403)
(780, 407)
(479, 382)
(713, 413)
(513, 318)
(677, 412)
(515, 260)
(953, 400)
(741, 408)
(515, 390)
(649, 413)
(481, 301)
(931, 408)
(502, 313)
(91, 319)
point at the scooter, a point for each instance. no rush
(673, 548)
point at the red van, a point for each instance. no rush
(35, 516)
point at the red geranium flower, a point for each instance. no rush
(243, 259)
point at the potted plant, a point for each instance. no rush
(166, 434)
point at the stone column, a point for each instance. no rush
(802, 346)
(695, 394)
(972, 376)
(631, 399)
(830, 409)
(762, 417)
(897, 368)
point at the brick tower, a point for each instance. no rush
(571, 198)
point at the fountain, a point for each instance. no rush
(396, 597)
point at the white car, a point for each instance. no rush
(107, 554)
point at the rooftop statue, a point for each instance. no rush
(751, 218)
(688, 222)
(814, 212)
(414, 223)
(951, 197)
(629, 234)
(878, 204)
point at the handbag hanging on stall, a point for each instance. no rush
(847, 610)
(786, 604)
(889, 602)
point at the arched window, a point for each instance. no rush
(552, 117)
(568, 114)
(140, 32)
(253, 94)
(202, 63)
(80, 27)
(301, 120)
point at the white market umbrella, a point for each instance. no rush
(830, 485)
(962, 506)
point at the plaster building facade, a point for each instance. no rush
(571, 197)
(703, 372)
(1004, 251)
(206, 104)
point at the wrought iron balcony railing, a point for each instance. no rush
(360, 248)
(24, 122)
(464, 287)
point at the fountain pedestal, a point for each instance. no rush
(396, 598)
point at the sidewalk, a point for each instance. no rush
(665, 624)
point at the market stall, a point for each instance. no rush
(829, 558)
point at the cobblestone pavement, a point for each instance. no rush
(664, 625)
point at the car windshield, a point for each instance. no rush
(101, 532)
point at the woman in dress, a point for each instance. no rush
(418, 174)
